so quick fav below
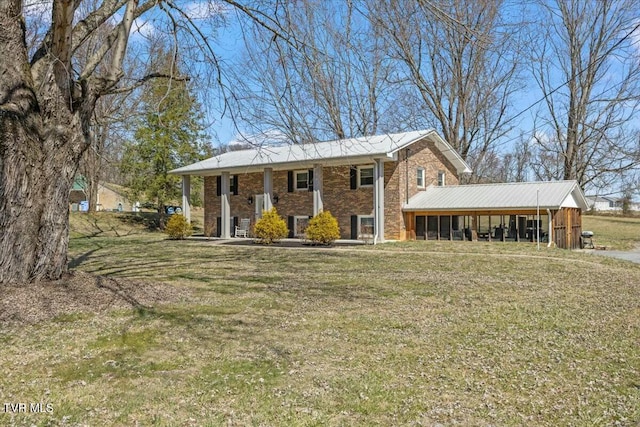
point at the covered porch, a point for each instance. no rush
(560, 227)
(541, 212)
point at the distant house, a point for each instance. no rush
(78, 192)
(383, 187)
(600, 203)
(610, 204)
(110, 197)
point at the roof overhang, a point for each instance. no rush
(330, 153)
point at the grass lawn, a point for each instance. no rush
(614, 232)
(414, 334)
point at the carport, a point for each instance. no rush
(549, 212)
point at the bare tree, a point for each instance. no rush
(330, 84)
(47, 100)
(584, 62)
(460, 65)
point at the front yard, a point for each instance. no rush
(398, 334)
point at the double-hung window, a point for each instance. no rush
(420, 177)
(302, 180)
(365, 226)
(300, 225)
(365, 176)
(441, 180)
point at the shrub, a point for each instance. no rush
(178, 227)
(323, 229)
(270, 228)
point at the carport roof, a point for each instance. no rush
(503, 196)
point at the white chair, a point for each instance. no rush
(242, 230)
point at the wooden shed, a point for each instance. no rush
(549, 212)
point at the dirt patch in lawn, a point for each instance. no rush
(79, 292)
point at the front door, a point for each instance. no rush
(259, 204)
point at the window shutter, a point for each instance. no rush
(290, 225)
(310, 179)
(354, 227)
(218, 186)
(234, 190)
(290, 181)
(218, 227)
(353, 176)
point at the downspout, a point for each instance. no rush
(550, 220)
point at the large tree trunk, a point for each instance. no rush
(41, 140)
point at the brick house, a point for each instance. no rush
(364, 182)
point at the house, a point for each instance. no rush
(601, 203)
(113, 197)
(373, 185)
(611, 204)
(362, 181)
(110, 197)
(78, 193)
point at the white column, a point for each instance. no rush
(186, 195)
(225, 206)
(317, 189)
(268, 189)
(550, 225)
(378, 200)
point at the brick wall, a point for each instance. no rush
(338, 198)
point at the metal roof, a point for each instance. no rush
(344, 151)
(503, 196)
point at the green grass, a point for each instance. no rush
(415, 333)
(614, 232)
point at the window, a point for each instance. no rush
(441, 181)
(420, 177)
(302, 180)
(300, 225)
(365, 176)
(365, 226)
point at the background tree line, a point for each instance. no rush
(522, 90)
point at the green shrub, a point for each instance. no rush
(323, 229)
(270, 228)
(178, 227)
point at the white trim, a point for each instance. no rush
(442, 174)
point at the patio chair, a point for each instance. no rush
(242, 230)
